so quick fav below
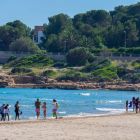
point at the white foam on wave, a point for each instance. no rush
(63, 112)
(85, 94)
(112, 110)
(115, 101)
(107, 101)
(26, 105)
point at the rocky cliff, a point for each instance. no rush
(46, 83)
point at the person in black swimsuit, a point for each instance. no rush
(17, 110)
(137, 104)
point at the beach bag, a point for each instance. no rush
(57, 105)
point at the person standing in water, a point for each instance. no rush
(17, 110)
(134, 100)
(2, 112)
(54, 107)
(6, 111)
(44, 109)
(127, 106)
(137, 106)
(37, 105)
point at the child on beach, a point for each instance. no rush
(44, 109)
(54, 107)
(127, 106)
(6, 111)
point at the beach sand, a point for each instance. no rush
(119, 127)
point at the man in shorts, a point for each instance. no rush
(2, 112)
(38, 105)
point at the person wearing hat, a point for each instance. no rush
(2, 112)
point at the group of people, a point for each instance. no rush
(38, 107)
(135, 103)
(4, 110)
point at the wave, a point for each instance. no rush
(112, 110)
(85, 94)
(63, 112)
(26, 105)
(107, 101)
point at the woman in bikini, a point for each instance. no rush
(44, 109)
(17, 110)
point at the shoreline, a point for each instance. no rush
(62, 118)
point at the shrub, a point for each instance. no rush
(134, 77)
(59, 64)
(79, 56)
(20, 70)
(24, 44)
(11, 58)
(107, 73)
(33, 60)
(70, 75)
(49, 73)
(97, 65)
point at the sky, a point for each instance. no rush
(36, 12)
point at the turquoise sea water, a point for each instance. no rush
(73, 103)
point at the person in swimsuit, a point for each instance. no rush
(6, 111)
(17, 110)
(44, 109)
(136, 103)
(38, 105)
(54, 107)
(127, 106)
(2, 112)
(133, 101)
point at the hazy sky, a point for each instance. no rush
(36, 12)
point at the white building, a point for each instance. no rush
(38, 35)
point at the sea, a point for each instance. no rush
(73, 103)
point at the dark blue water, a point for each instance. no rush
(72, 102)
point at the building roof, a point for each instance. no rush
(38, 28)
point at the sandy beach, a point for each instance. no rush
(123, 126)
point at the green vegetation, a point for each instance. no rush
(11, 58)
(70, 75)
(79, 56)
(36, 60)
(96, 31)
(25, 45)
(106, 74)
(97, 65)
(59, 64)
(20, 70)
(49, 73)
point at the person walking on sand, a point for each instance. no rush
(44, 109)
(134, 100)
(6, 111)
(54, 108)
(37, 105)
(17, 110)
(2, 112)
